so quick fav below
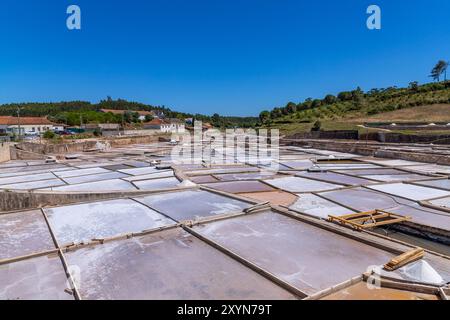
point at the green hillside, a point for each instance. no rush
(350, 108)
(73, 112)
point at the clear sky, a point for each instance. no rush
(227, 56)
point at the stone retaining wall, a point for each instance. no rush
(371, 149)
(25, 200)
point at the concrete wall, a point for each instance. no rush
(392, 137)
(31, 150)
(51, 148)
(5, 154)
(17, 154)
(371, 149)
(328, 134)
(143, 132)
(120, 141)
(24, 200)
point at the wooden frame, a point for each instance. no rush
(368, 219)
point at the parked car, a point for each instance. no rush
(63, 133)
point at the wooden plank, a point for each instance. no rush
(442, 294)
(412, 287)
(404, 259)
(358, 220)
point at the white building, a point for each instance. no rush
(166, 125)
(172, 125)
(28, 125)
(58, 127)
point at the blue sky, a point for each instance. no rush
(226, 56)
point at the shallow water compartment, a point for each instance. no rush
(317, 206)
(24, 233)
(192, 204)
(39, 278)
(410, 191)
(335, 178)
(154, 184)
(441, 184)
(167, 265)
(83, 222)
(298, 184)
(308, 257)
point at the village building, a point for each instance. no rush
(165, 125)
(58, 127)
(28, 125)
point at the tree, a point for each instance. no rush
(414, 85)
(329, 99)
(49, 134)
(308, 103)
(148, 117)
(317, 126)
(131, 116)
(276, 113)
(316, 103)
(264, 116)
(445, 70)
(345, 96)
(291, 107)
(439, 69)
(215, 119)
(374, 91)
(357, 93)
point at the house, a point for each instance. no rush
(155, 124)
(58, 127)
(28, 125)
(165, 125)
(142, 114)
(172, 125)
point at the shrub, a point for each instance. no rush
(49, 134)
(317, 126)
(97, 132)
(373, 111)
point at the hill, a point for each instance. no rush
(40, 109)
(347, 110)
(429, 113)
(73, 112)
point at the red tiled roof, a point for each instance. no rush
(9, 120)
(154, 121)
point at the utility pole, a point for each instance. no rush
(18, 122)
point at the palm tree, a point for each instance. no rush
(439, 69)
